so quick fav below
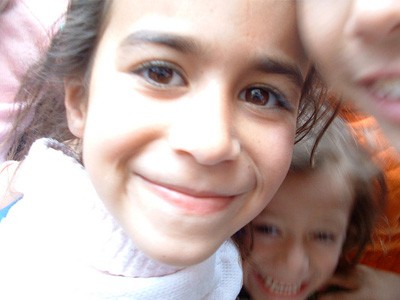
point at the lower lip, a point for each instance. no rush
(299, 295)
(187, 203)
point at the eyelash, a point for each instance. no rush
(269, 230)
(325, 237)
(164, 69)
(273, 230)
(257, 91)
(175, 78)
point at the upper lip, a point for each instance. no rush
(189, 190)
(382, 86)
(370, 78)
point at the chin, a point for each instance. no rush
(179, 254)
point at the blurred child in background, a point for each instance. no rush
(356, 46)
(318, 223)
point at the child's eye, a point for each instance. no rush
(265, 97)
(161, 74)
(325, 237)
(269, 230)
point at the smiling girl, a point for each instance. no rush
(161, 128)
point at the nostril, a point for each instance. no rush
(396, 28)
(374, 20)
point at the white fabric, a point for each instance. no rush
(59, 242)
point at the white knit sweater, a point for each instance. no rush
(59, 242)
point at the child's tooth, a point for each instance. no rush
(281, 288)
(389, 89)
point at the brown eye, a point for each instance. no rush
(257, 96)
(161, 74)
(265, 97)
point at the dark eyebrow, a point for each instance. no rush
(275, 66)
(188, 45)
(177, 42)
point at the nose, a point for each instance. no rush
(204, 127)
(375, 20)
(294, 258)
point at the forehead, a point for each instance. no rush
(251, 25)
(316, 195)
(238, 12)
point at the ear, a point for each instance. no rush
(76, 106)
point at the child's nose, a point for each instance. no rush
(294, 258)
(375, 20)
(205, 128)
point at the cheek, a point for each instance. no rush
(272, 154)
(265, 250)
(272, 170)
(117, 125)
(322, 26)
(249, 282)
(247, 270)
(328, 261)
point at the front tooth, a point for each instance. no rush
(389, 88)
(281, 288)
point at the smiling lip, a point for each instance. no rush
(276, 292)
(189, 201)
(383, 89)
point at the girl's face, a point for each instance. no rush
(189, 123)
(356, 44)
(298, 237)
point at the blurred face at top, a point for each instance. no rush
(190, 117)
(356, 45)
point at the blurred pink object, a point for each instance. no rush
(26, 27)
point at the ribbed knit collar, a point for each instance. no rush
(65, 233)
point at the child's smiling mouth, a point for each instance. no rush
(279, 288)
(188, 200)
(383, 89)
(387, 88)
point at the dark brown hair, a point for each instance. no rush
(41, 97)
(340, 148)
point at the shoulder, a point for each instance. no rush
(7, 176)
